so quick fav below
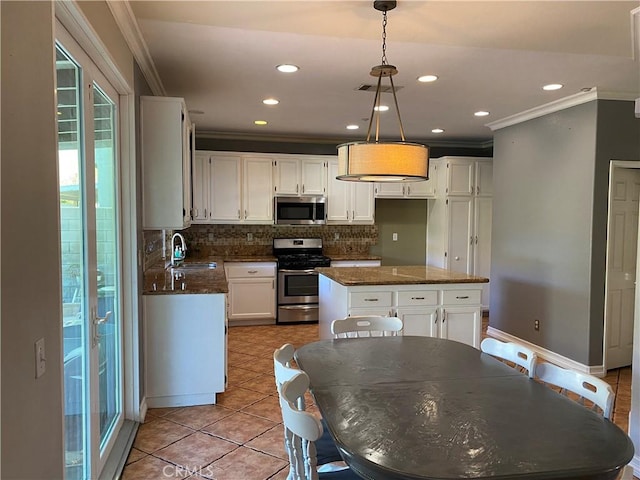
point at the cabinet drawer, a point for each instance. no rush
(369, 299)
(461, 297)
(417, 298)
(249, 271)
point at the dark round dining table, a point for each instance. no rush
(427, 408)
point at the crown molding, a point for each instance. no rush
(126, 20)
(242, 136)
(70, 15)
(558, 105)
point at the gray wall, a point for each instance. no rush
(407, 218)
(549, 224)
(31, 292)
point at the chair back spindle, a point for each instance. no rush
(366, 326)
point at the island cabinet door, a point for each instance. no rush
(419, 322)
(462, 324)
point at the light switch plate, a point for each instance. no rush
(40, 358)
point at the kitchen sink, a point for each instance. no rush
(196, 266)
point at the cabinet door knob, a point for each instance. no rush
(457, 258)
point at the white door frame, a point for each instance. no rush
(634, 414)
(613, 165)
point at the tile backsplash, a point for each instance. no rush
(226, 240)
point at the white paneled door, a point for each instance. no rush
(90, 264)
(624, 193)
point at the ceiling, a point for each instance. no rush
(494, 56)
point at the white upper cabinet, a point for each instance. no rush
(201, 206)
(426, 189)
(460, 178)
(257, 191)
(167, 147)
(286, 176)
(468, 176)
(299, 175)
(484, 178)
(225, 188)
(231, 187)
(314, 176)
(348, 202)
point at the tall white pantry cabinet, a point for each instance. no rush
(459, 218)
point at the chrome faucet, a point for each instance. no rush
(178, 253)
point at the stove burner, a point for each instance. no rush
(302, 261)
(299, 253)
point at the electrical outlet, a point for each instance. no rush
(536, 324)
(40, 358)
(249, 237)
(336, 236)
(395, 237)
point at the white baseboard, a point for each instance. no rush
(553, 357)
(143, 410)
(181, 400)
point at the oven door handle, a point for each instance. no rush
(298, 271)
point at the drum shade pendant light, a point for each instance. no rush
(376, 161)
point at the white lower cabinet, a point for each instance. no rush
(451, 311)
(185, 349)
(252, 292)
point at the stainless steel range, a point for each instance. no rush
(297, 279)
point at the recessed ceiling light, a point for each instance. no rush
(437, 130)
(381, 108)
(481, 113)
(553, 86)
(427, 78)
(260, 122)
(352, 127)
(270, 101)
(287, 68)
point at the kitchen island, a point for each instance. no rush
(430, 301)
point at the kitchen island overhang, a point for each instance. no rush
(431, 301)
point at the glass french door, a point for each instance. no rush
(90, 248)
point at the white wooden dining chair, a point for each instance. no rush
(367, 326)
(512, 352)
(302, 430)
(326, 450)
(585, 386)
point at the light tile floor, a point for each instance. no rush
(241, 437)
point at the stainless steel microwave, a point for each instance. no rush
(309, 210)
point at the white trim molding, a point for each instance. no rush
(71, 16)
(558, 105)
(126, 20)
(553, 357)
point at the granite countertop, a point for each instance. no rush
(186, 278)
(401, 275)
